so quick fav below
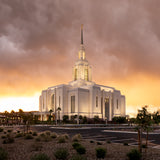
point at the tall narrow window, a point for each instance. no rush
(106, 107)
(75, 74)
(101, 104)
(72, 104)
(86, 74)
(59, 101)
(96, 101)
(117, 103)
(52, 101)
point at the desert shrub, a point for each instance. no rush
(91, 141)
(3, 137)
(61, 139)
(18, 131)
(46, 138)
(61, 153)
(76, 137)
(99, 143)
(19, 135)
(75, 145)
(100, 153)
(9, 139)
(40, 156)
(42, 135)
(48, 133)
(28, 136)
(108, 142)
(37, 139)
(78, 157)
(1, 129)
(5, 132)
(34, 134)
(134, 154)
(81, 149)
(144, 146)
(30, 132)
(66, 136)
(54, 135)
(125, 144)
(3, 154)
(9, 131)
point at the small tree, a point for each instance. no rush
(143, 121)
(65, 118)
(58, 110)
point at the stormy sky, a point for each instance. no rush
(39, 43)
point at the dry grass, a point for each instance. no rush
(24, 149)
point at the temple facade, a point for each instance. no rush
(82, 96)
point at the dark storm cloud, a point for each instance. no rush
(39, 40)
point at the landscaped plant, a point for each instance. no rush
(125, 144)
(61, 153)
(9, 139)
(78, 157)
(75, 145)
(61, 139)
(81, 149)
(3, 136)
(99, 143)
(76, 137)
(3, 154)
(100, 153)
(1, 129)
(19, 135)
(40, 156)
(34, 134)
(48, 133)
(28, 136)
(134, 154)
(54, 135)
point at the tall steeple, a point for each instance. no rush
(82, 50)
(81, 34)
(82, 69)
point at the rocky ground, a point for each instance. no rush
(24, 149)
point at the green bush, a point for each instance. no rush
(34, 134)
(99, 143)
(76, 137)
(28, 136)
(144, 146)
(125, 144)
(134, 154)
(9, 139)
(48, 133)
(108, 142)
(9, 130)
(61, 139)
(40, 156)
(30, 132)
(61, 153)
(3, 137)
(91, 141)
(19, 135)
(100, 153)
(1, 129)
(54, 135)
(78, 157)
(3, 154)
(81, 150)
(75, 145)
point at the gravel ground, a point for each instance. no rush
(23, 149)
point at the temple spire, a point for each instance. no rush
(82, 34)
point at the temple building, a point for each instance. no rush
(82, 96)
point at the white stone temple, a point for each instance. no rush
(82, 96)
